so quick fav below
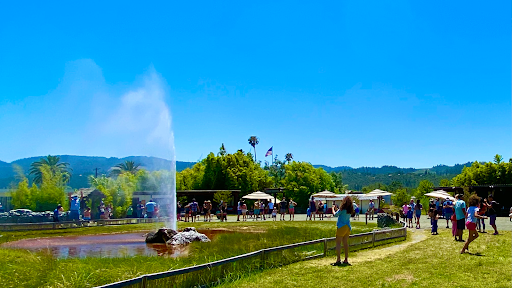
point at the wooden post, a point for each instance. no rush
(373, 238)
(325, 247)
(144, 282)
(263, 262)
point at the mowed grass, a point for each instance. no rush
(432, 262)
(21, 268)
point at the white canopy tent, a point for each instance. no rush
(436, 194)
(258, 195)
(379, 193)
(326, 194)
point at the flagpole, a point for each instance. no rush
(272, 155)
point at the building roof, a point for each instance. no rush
(86, 192)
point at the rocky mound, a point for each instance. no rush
(171, 237)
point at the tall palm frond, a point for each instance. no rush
(253, 141)
(126, 167)
(55, 165)
(288, 157)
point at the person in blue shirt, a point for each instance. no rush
(74, 208)
(150, 208)
(56, 213)
(343, 228)
(460, 215)
(447, 210)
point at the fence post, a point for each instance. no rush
(144, 282)
(263, 262)
(373, 238)
(325, 247)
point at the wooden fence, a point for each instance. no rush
(215, 272)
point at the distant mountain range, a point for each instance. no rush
(83, 166)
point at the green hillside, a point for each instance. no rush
(83, 166)
(355, 178)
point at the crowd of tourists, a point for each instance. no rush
(259, 210)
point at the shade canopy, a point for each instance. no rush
(258, 195)
(379, 193)
(442, 192)
(436, 194)
(326, 194)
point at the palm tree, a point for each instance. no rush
(55, 165)
(222, 150)
(288, 157)
(498, 159)
(126, 167)
(253, 141)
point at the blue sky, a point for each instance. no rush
(359, 83)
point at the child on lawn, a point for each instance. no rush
(471, 221)
(274, 213)
(435, 218)
(454, 225)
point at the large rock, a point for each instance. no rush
(161, 236)
(188, 235)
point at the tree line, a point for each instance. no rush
(225, 171)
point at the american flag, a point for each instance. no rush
(269, 152)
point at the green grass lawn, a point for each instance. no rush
(433, 261)
(21, 268)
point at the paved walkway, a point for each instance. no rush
(503, 223)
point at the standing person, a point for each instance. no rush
(413, 207)
(129, 212)
(438, 206)
(266, 208)
(270, 205)
(56, 213)
(87, 214)
(343, 228)
(102, 209)
(238, 210)
(140, 210)
(492, 209)
(460, 215)
(178, 211)
(371, 208)
(291, 208)
(482, 210)
(417, 212)
(244, 211)
(447, 210)
(274, 214)
(74, 208)
(454, 225)
(473, 215)
(405, 211)
(205, 210)
(356, 210)
(256, 210)
(222, 211)
(312, 208)
(262, 209)
(194, 208)
(320, 210)
(283, 206)
(435, 218)
(150, 208)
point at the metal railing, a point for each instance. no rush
(76, 224)
(233, 267)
